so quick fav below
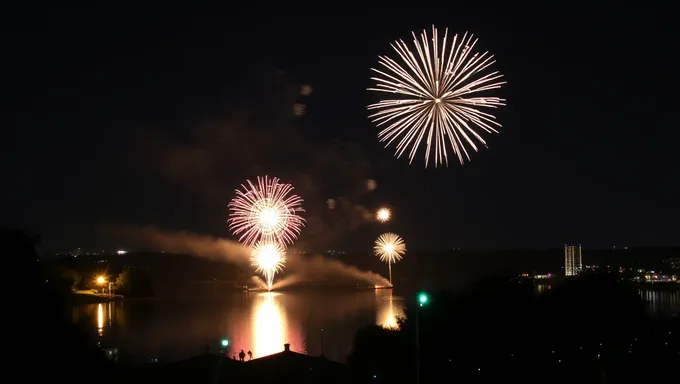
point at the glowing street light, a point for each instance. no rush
(422, 298)
(101, 280)
(225, 345)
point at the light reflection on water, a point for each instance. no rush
(311, 322)
(104, 316)
(100, 319)
(542, 288)
(269, 325)
(390, 308)
(661, 302)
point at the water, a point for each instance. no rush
(661, 302)
(172, 329)
(312, 322)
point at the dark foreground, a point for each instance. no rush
(284, 367)
(589, 329)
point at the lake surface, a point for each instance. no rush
(312, 322)
(172, 329)
(661, 302)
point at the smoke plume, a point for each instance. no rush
(299, 268)
(183, 242)
(318, 268)
(263, 135)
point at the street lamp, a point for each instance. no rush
(101, 280)
(422, 301)
(321, 341)
(223, 353)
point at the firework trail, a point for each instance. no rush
(383, 215)
(437, 96)
(268, 259)
(266, 212)
(390, 248)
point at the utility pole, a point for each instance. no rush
(321, 341)
(422, 300)
(417, 346)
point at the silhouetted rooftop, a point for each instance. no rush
(289, 366)
(281, 368)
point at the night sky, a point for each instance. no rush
(154, 117)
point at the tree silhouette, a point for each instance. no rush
(134, 282)
(54, 345)
(585, 328)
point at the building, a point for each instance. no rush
(298, 368)
(544, 276)
(573, 262)
(651, 277)
(280, 368)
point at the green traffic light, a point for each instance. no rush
(422, 298)
(225, 342)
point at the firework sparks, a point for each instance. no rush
(268, 259)
(383, 215)
(390, 248)
(437, 93)
(266, 212)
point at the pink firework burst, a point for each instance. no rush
(267, 212)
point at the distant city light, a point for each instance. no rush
(121, 252)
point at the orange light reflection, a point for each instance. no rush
(269, 325)
(389, 309)
(100, 319)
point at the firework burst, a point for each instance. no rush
(266, 212)
(383, 215)
(437, 97)
(390, 248)
(268, 259)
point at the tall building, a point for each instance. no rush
(572, 260)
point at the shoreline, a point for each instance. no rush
(319, 288)
(80, 297)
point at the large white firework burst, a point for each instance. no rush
(438, 93)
